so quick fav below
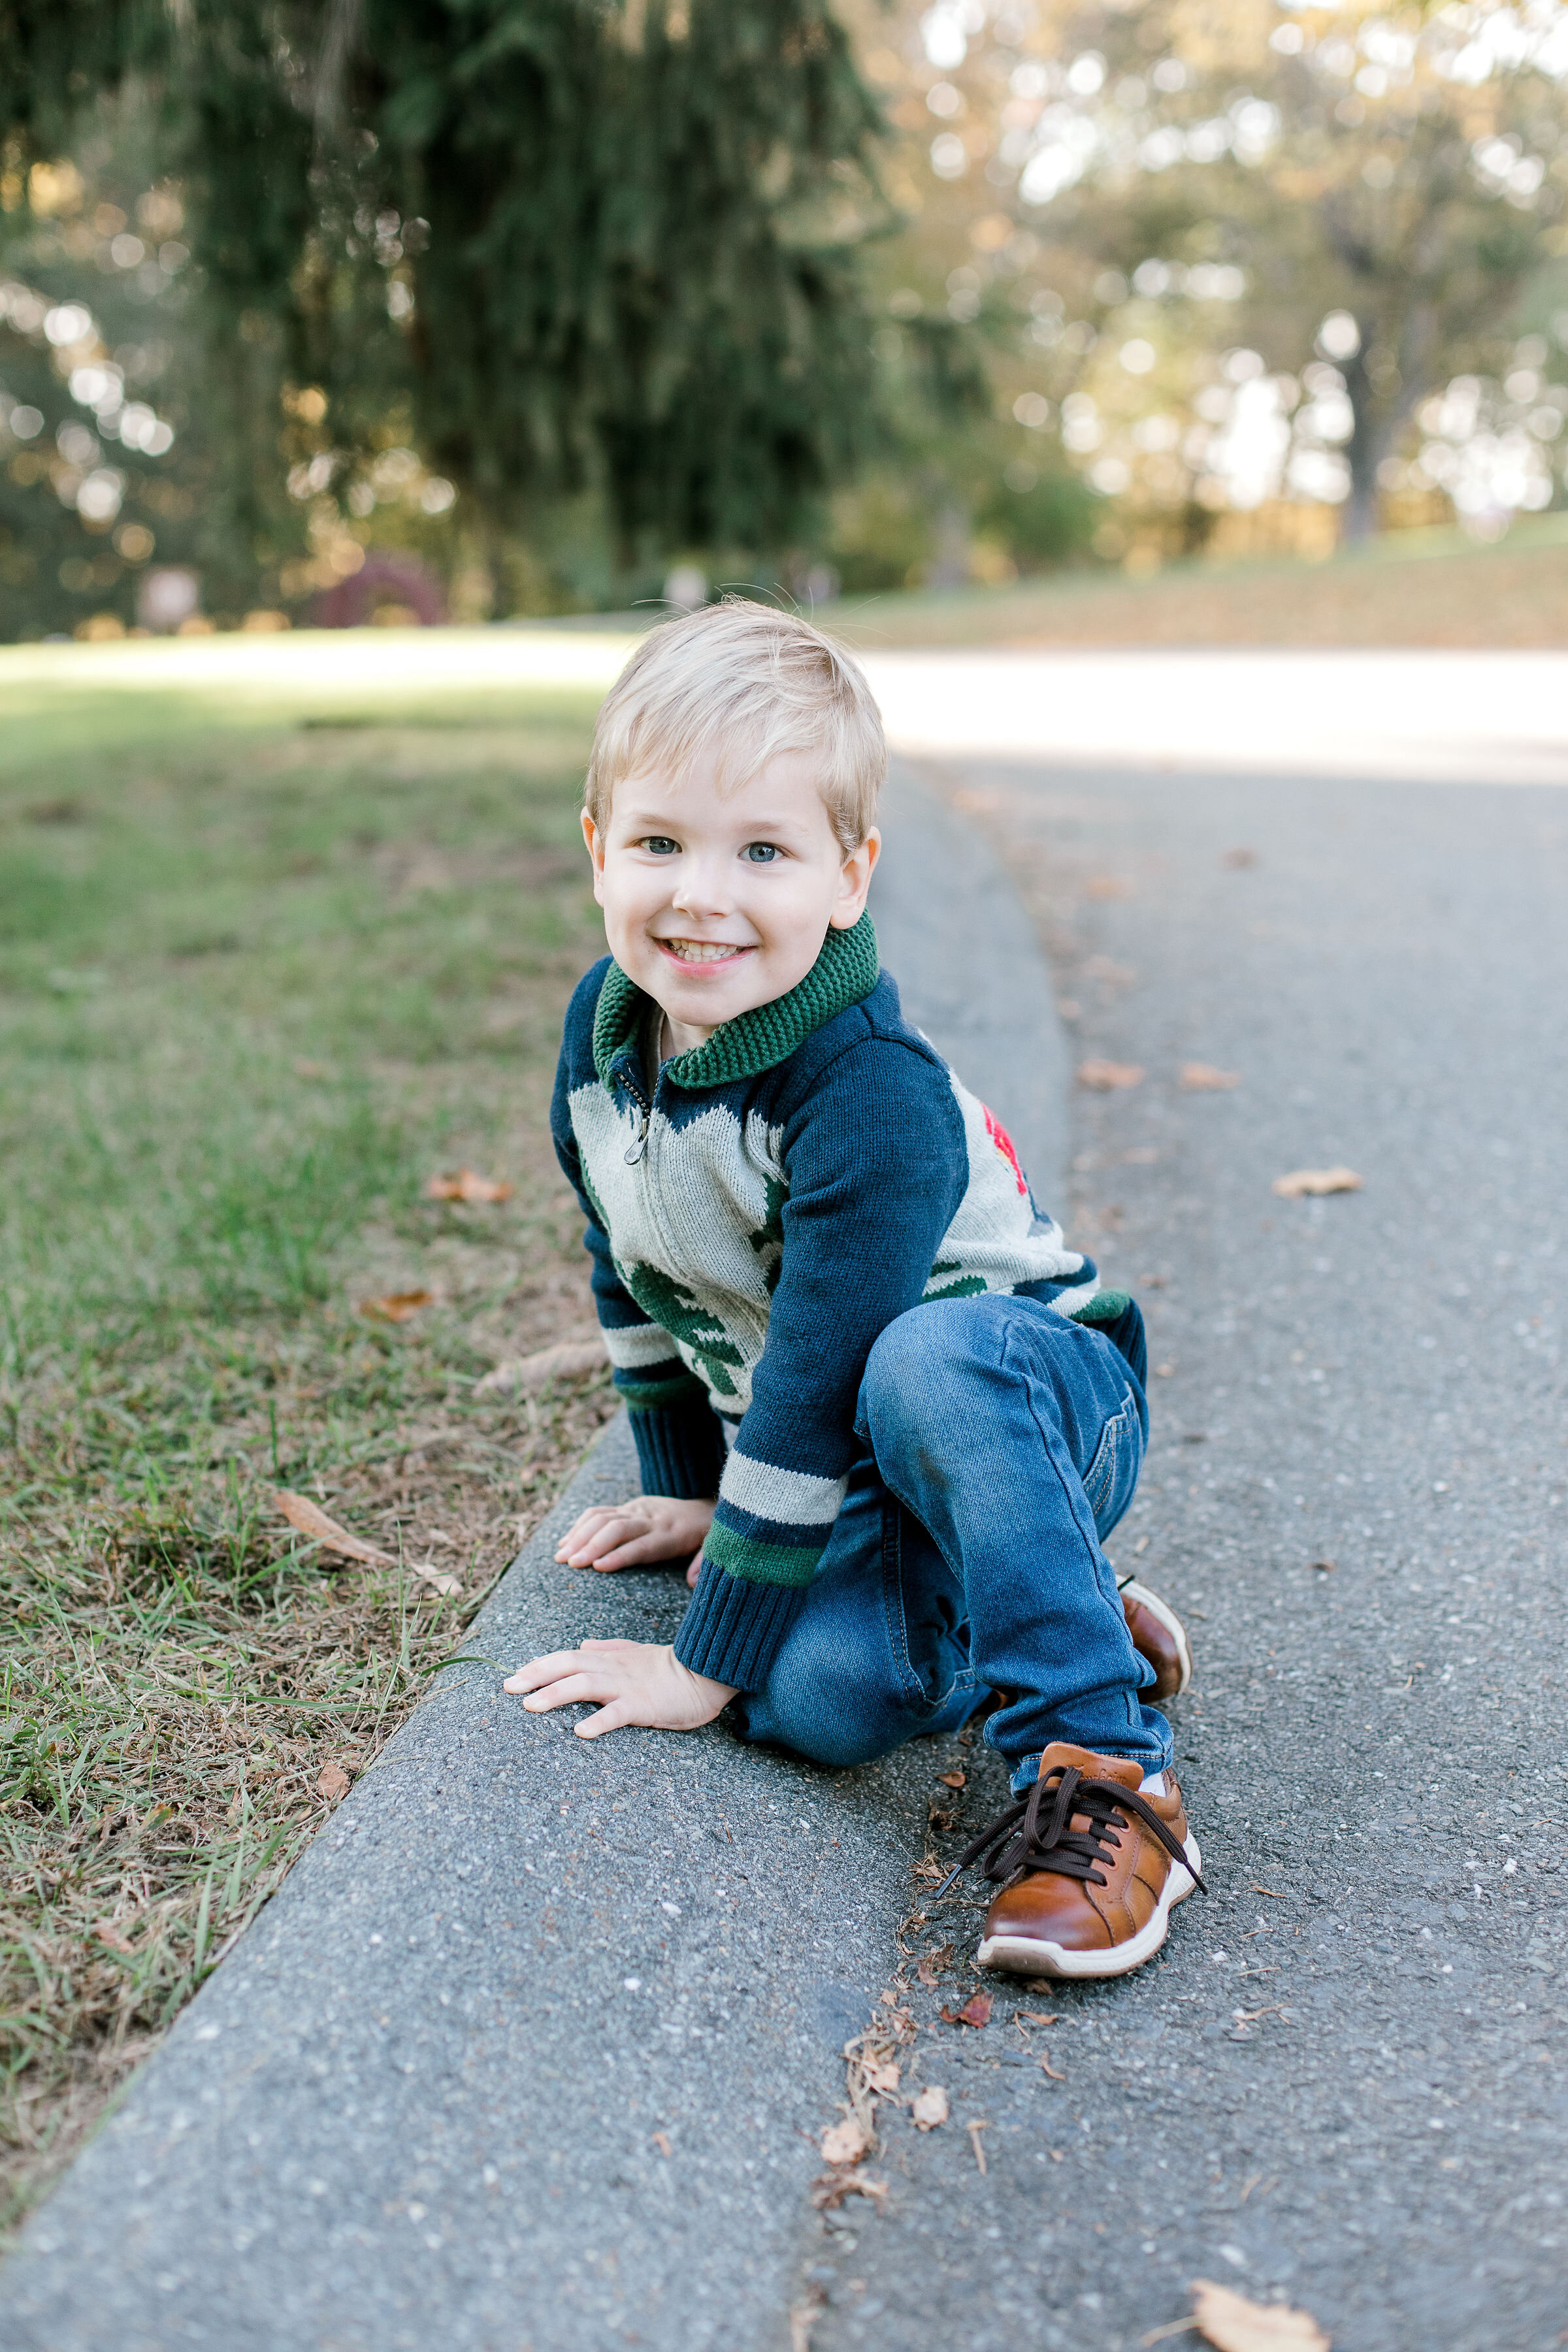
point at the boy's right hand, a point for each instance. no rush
(630, 1535)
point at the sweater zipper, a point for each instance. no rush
(636, 1150)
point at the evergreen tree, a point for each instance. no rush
(593, 243)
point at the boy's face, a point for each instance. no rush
(716, 902)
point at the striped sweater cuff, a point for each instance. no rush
(680, 1448)
(733, 1627)
(661, 1388)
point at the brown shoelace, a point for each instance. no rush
(1019, 1839)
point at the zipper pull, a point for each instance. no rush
(637, 1149)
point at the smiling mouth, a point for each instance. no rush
(703, 950)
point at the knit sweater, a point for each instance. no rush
(755, 1221)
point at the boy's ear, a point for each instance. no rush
(596, 844)
(854, 881)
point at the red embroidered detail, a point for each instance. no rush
(1003, 1142)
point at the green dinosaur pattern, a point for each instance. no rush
(671, 1304)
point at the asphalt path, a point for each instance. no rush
(1345, 2084)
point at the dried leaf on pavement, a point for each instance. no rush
(975, 2130)
(975, 2011)
(1234, 2322)
(334, 1783)
(1238, 859)
(1107, 886)
(846, 2143)
(831, 2189)
(1039, 2016)
(565, 1361)
(1303, 1182)
(1104, 1078)
(880, 2073)
(954, 1780)
(463, 1184)
(397, 1305)
(311, 1520)
(930, 2109)
(661, 2141)
(1202, 1079)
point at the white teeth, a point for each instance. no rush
(701, 950)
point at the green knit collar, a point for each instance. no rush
(843, 973)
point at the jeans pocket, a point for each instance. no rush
(1109, 1481)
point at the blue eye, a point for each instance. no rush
(761, 853)
(661, 845)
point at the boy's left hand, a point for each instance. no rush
(631, 1682)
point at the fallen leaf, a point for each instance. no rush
(661, 2141)
(930, 2109)
(975, 2130)
(1104, 1078)
(334, 1783)
(397, 1305)
(1202, 1079)
(1163, 1371)
(833, 2187)
(803, 2316)
(1234, 2322)
(1270, 1892)
(1047, 2068)
(563, 1361)
(1039, 2016)
(975, 2011)
(1239, 858)
(1107, 886)
(880, 2073)
(846, 2143)
(311, 1520)
(464, 1185)
(954, 1780)
(1301, 1181)
(1324, 1567)
(888, 2000)
(439, 1580)
(114, 1939)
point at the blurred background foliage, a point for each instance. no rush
(507, 306)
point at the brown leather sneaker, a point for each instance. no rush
(1159, 1635)
(1091, 1869)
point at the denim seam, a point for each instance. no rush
(893, 1599)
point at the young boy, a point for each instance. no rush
(872, 1389)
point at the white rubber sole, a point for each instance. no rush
(1024, 1956)
(1163, 1611)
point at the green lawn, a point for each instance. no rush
(266, 966)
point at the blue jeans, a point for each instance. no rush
(1001, 1442)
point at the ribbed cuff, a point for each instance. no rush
(732, 1629)
(681, 1451)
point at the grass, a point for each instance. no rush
(1408, 588)
(260, 979)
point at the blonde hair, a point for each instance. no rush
(753, 682)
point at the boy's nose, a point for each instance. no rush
(700, 892)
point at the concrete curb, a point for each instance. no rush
(531, 2049)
